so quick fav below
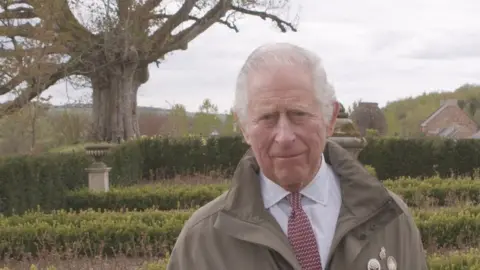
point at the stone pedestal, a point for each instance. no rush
(351, 144)
(98, 172)
(98, 179)
(347, 135)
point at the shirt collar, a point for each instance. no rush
(316, 190)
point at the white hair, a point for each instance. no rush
(273, 55)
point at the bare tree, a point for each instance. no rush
(112, 50)
(367, 115)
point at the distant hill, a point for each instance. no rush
(87, 108)
(404, 116)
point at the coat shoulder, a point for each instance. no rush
(401, 203)
(205, 213)
(188, 251)
(406, 218)
(398, 200)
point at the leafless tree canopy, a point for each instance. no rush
(367, 115)
(110, 43)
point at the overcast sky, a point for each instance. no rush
(374, 50)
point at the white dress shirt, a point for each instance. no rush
(321, 202)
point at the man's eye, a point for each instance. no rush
(267, 117)
(299, 113)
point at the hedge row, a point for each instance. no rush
(431, 192)
(394, 157)
(135, 233)
(457, 260)
(465, 260)
(28, 181)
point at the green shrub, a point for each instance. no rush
(429, 192)
(456, 260)
(371, 170)
(139, 198)
(460, 260)
(132, 233)
(28, 181)
(395, 157)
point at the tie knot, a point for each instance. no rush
(294, 198)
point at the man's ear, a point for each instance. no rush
(333, 120)
(242, 128)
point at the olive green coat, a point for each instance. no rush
(236, 232)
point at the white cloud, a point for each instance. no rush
(373, 50)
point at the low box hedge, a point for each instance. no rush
(153, 231)
(432, 191)
(454, 260)
(28, 181)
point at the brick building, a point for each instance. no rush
(449, 121)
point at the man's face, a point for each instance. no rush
(285, 126)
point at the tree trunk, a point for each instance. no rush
(114, 98)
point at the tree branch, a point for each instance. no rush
(124, 11)
(25, 30)
(37, 85)
(160, 37)
(228, 24)
(181, 40)
(281, 24)
(57, 15)
(150, 5)
(11, 84)
(49, 50)
(17, 13)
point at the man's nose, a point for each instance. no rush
(284, 132)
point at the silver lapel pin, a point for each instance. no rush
(374, 264)
(383, 253)
(391, 263)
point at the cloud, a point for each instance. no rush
(372, 50)
(448, 45)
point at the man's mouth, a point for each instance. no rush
(288, 156)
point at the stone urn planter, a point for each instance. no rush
(347, 135)
(98, 172)
(98, 152)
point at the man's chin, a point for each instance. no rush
(292, 181)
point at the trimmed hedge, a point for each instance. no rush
(457, 260)
(468, 260)
(161, 197)
(28, 181)
(429, 192)
(395, 157)
(133, 233)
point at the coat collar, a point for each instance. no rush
(362, 193)
(318, 190)
(245, 217)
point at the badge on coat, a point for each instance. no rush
(383, 253)
(374, 264)
(391, 263)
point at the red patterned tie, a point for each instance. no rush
(301, 236)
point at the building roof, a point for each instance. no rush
(448, 132)
(476, 135)
(444, 105)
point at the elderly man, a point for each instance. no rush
(297, 201)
